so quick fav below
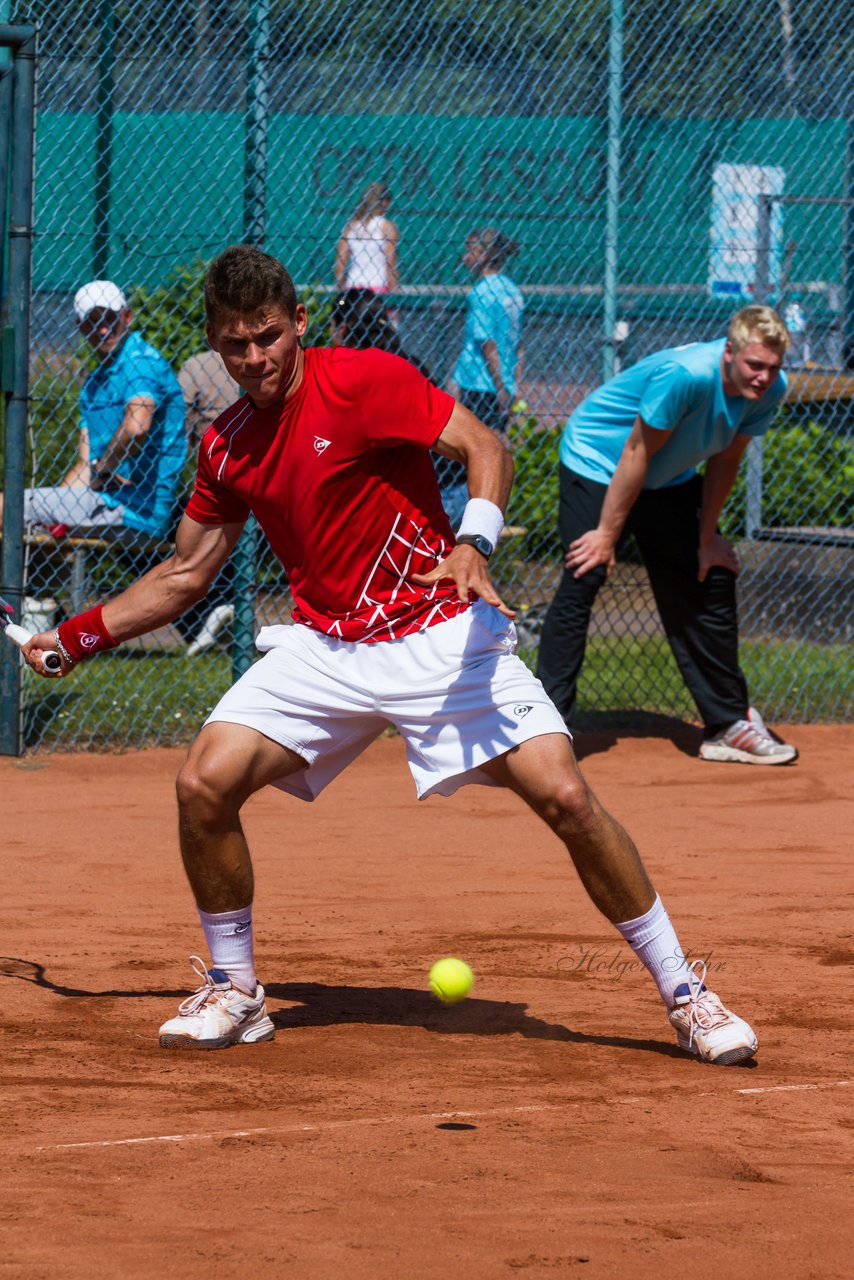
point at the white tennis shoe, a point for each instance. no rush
(217, 1015)
(704, 1027)
(748, 742)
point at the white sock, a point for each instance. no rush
(653, 940)
(229, 939)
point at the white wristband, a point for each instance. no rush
(483, 517)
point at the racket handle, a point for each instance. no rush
(51, 660)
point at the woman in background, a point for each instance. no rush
(367, 251)
(487, 373)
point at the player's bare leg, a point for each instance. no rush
(545, 773)
(226, 764)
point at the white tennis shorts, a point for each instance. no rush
(456, 692)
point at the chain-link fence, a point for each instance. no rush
(657, 166)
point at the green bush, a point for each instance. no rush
(54, 419)
(534, 499)
(172, 316)
(807, 480)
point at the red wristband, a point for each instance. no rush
(86, 635)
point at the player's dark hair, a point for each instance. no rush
(243, 281)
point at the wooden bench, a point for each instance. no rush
(76, 551)
(807, 535)
(819, 386)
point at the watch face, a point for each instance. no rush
(477, 540)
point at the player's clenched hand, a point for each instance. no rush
(466, 567)
(588, 552)
(717, 552)
(36, 648)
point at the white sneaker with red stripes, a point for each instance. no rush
(748, 742)
(704, 1027)
(217, 1015)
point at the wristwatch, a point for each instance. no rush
(476, 540)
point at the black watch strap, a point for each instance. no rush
(478, 541)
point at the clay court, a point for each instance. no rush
(548, 1125)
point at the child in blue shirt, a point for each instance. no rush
(487, 372)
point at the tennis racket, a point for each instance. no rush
(51, 660)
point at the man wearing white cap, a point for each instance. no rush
(132, 439)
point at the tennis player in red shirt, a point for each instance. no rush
(397, 622)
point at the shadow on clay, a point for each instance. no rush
(320, 1005)
(599, 731)
(316, 1004)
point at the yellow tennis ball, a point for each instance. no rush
(451, 980)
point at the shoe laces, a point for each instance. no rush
(706, 1012)
(207, 991)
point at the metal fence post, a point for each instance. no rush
(6, 80)
(848, 240)
(104, 139)
(753, 480)
(17, 331)
(761, 291)
(256, 125)
(254, 232)
(762, 282)
(612, 190)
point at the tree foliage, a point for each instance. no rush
(698, 57)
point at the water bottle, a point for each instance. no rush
(797, 322)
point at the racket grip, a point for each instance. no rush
(51, 660)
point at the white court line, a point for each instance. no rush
(397, 1119)
(302, 1128)
(792, 1088)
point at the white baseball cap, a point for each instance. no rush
(98, 293)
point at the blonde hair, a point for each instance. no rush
(372, 196)
(758, 324)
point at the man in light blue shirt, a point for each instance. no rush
(133, 438)
(628, 460)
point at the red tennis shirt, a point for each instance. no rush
(339, 478)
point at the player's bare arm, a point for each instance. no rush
(161, 595)
(721, 471)
(342, 257)
(599, 545)
(390, 250)
(489, 469)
